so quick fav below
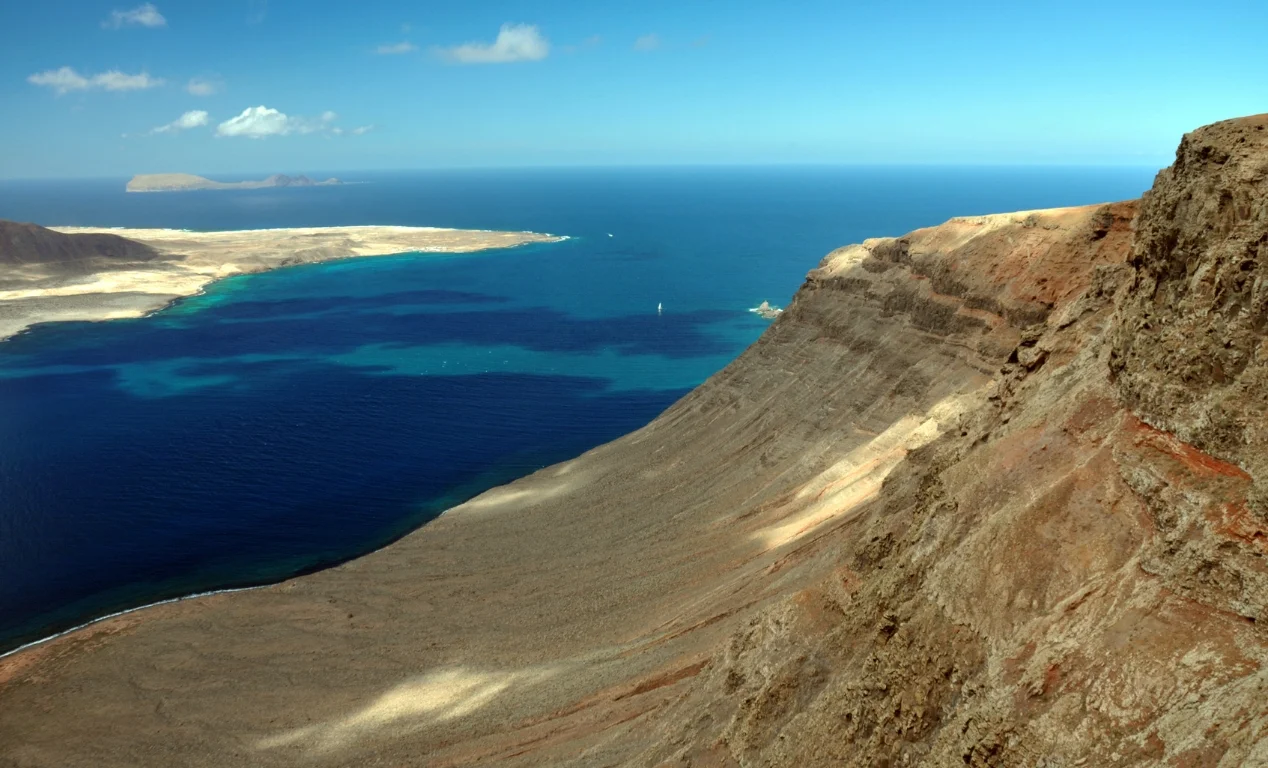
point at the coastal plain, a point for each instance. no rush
(171, 263)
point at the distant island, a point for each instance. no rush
(184, 182)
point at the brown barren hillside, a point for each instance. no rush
(985, 495)
(32, 245)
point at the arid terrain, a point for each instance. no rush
(85, 273)
(988, 494)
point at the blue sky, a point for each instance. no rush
(256, 86)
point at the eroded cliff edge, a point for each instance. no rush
(1076, 575)
(946, 511)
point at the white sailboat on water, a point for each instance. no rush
(659, 308)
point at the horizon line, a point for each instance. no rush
(621, 167)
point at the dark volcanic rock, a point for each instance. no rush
(31, 244)
(282, 180)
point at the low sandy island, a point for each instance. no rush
(187, 261)
(187, 182)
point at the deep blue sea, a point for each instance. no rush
(286, 421)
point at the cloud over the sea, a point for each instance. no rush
(261, 122)
(395, 49)
(647, 42)
(515, 42)
(144, 15)
(193, 119)
(202, 86)
(66, 79)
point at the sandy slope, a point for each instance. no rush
(544, 615)
(191, 260)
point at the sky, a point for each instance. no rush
(94, 88)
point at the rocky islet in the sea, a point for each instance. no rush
(766, 311)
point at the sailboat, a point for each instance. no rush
(659, 307)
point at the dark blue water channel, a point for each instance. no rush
(285, 421)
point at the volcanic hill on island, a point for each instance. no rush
(993, 493)
(24, 245)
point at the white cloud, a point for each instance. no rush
(260, 122)
(395, 49)
(192, 119)
(256, 123)
(515, 42)
(114, 80)
(201, 86)
(360, 130)
(647, 42)
(66, 79)
(144, 15)
(61, 80)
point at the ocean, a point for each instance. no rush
(287, 421)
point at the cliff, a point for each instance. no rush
(1074, 575)
(184, 182)
(985, 494)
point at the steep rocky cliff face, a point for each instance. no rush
(1189, 350)
(1076, 575)
(953, 508)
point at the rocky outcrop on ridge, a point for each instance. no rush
(1189, 353)
(984, 495)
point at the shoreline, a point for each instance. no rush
(153, 237)
(191, 260)
(575, 604)
(70, 630)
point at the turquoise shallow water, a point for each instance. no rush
(286, 421)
